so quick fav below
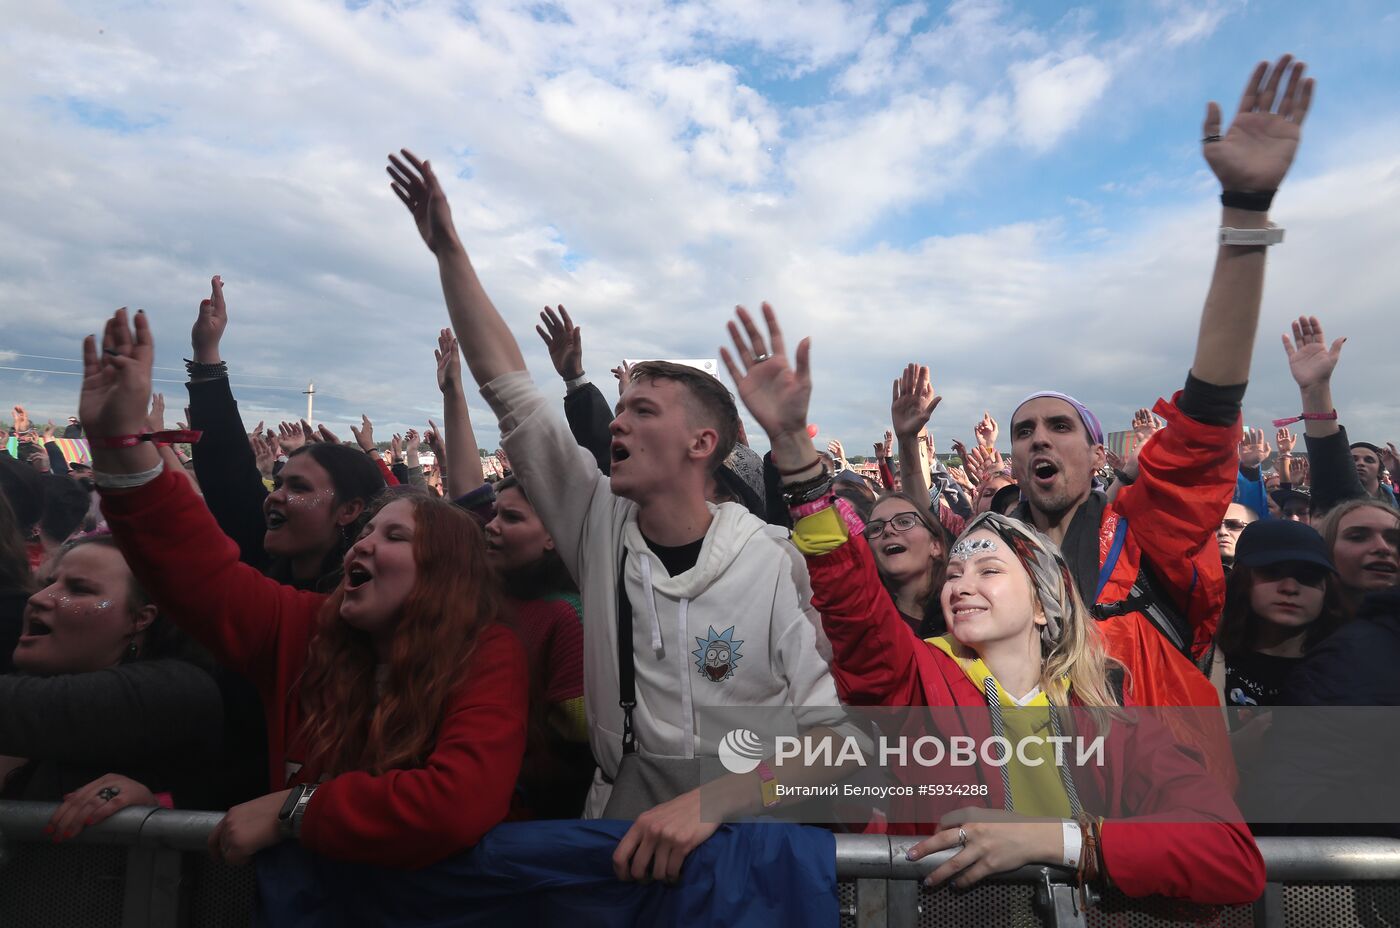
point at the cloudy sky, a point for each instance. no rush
(1010, 193)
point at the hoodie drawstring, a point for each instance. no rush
(656, 643)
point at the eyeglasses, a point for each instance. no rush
(1306, 574)
(900, 523)
(1234, 525)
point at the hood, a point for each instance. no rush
(730, 531)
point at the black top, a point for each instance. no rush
(1254, 679)
(227, 470)
(158, 722)
(676, 559)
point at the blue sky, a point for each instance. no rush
(1012, 193)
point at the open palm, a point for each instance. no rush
(1258, 148)
(417, 186)
(1310, 360)
(775, 393)
(117, 382)
(913, 401)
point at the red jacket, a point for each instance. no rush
(1169, 516)
(260, 628)
(1197, 848)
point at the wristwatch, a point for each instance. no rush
(289, 818)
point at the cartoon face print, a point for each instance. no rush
(718, 654)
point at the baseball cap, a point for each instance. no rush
(1279, 541)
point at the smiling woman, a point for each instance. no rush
(396, 705)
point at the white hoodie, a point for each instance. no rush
(737, 629)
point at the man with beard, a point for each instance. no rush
(1147, 563)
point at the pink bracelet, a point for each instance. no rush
(168, 437)
(165, 800)
(1310, 416)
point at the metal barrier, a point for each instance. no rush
(148, 867)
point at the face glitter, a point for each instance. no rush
(969, 548)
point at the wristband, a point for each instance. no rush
(168, 437)
(1309, 416)
(1074, 843)
(1254, 201)
(1252, 238)
(127, 481)
(573, 383)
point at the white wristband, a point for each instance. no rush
(1273, 235)
(571, 385)
(1074, 843)
(127, 481)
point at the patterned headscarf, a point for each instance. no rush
(1042, 560)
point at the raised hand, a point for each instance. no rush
(983, 463)
(1258, 148)
(22, 423)
(155, 421)
(433, 439)
(1254, 449)
(837, 452)
(775, 393)
(396, 448)
(1310, 361)
(912, 401)
(1390, 457)
(417, 186)
(1145, 425)
(327, 436)
(1285, 441)
(262, 453)
(889, 443)
(209, 326)
(117, 382)
(564, 341)
(961, 478)
(986, 431)
(623, 373)
(48, 432)
(449, 362)
(364, 435)
(882, 450)
(290, 437)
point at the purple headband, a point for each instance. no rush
(1091, 421)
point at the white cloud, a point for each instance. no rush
(639, 162)
(1053, 96)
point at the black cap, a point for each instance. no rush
(1280, 541)
(1374, 449)
(1284, 495)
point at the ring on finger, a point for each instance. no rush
(962, 837)
(760, 358)
(108, 793)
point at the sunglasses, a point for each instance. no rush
(900, 523)
(1306, 574)
(1234, 525)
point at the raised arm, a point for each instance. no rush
(1311, 361)
(224, 462)
(590, 415)
(464, 473)
(911, 404)
(872, 649)
(487, 342)
(168, 537)
(1250, 161)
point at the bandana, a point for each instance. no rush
(1091, 421)
(1041, 559)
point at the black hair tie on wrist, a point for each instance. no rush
(1255, 201)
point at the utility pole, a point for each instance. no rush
(310, 392)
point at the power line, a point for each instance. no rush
(240, 385)
(49, 357)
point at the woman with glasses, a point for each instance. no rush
(1283, 596)
(911, 556)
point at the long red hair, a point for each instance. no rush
(348, 726)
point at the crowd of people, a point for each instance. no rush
(381, 652)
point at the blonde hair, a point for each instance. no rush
(1330, 526)
(1077, 652)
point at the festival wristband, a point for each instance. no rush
(1309, 416)
(1074, 843)
(168, 437)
